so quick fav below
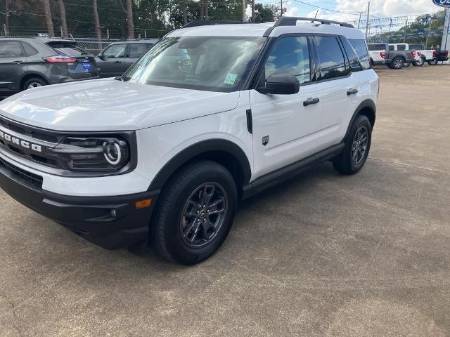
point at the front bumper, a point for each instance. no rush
(111, 222)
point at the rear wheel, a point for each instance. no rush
(195, 213)
(33, 82)
(420, 62)
(357, 147)
(397, 63)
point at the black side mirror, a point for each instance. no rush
(281, 85)
(101, 57)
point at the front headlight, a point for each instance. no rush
(93, 154)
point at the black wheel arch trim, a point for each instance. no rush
(198, 150)
(365, 105)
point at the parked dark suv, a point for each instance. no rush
(115, 59)
(34, 62)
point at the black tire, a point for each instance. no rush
(33, 82)
(345, 163)
(397, 63)
(420, 63)
(169, 236)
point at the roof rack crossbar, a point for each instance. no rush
(292, 21)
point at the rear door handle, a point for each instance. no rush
(17, 62)
(352, 92)
(311, 101)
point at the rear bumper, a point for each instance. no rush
(110, 222)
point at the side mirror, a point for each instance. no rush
(281, 85)
(101, 56)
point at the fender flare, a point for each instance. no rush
(368, 104)
(197, 150)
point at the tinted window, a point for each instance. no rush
(331, 59)
(115, 51)
(360, 47)
(416, 47)
(10, 49)
(377, 46)
(290, 55)
(391, 47)
(29, 50)
(137, 50)
(401, 47)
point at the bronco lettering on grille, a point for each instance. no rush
(20, 142)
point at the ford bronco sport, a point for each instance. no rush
(211, 115)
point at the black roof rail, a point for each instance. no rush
(199, 23)
(292, 21)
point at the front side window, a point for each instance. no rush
(10, 49)
(115, 51)
(137, 50)
(331, 58)
(360, 47)
(290, 56)
(204, 63)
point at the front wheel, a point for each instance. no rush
(194, 213)
(420, 62)
(357, 147)
(34, 82)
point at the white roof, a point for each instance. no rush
(259, 29)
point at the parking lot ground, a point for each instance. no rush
(321, 255)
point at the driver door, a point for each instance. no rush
(286, 127)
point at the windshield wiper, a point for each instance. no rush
(123, 78)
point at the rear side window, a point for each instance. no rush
(416, 47)
(391, 48)
(360, 47)
(353, 59)
(401, 47)
(331, 58)
(10, 49)
(290, 56)
(67, 48)
(137, 50)
(29, 50)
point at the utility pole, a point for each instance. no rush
(281, 7)
(359, 20)
(368, 18)
(445, 36)
(406, 31)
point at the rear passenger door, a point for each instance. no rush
(12, 58)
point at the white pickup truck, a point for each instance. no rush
(420, 54)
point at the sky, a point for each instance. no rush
(349, 10)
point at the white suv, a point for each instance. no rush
(211, 115)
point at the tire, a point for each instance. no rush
(34, 82)
(182, 230)
(419, 63)
(346, 163)
(397, 63)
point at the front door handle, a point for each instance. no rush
(352, 92)
(311, 101)
(18, 62)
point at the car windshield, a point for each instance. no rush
(203, 63)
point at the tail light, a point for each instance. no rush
(60, 59)
(383, 55)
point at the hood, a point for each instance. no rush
(112, 105)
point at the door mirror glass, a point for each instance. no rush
(281, 84)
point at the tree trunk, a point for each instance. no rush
(98, 30)
(62, 13)
(130, 21)
(6, 18)
(48, 18)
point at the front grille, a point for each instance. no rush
(43, 139)
(29, 179)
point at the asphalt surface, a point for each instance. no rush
(322, 255)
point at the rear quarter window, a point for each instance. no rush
(360, 47)
(29, 50)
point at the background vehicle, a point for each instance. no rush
(215, 114)
(115, 59)
(431, 56)
(380, 53)
(33, 62)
